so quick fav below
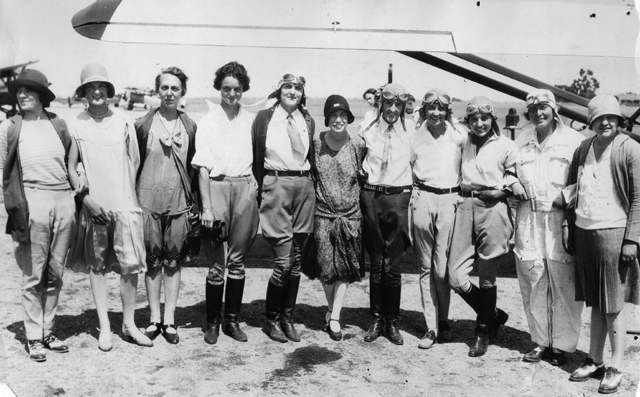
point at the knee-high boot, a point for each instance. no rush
(391, 306)
(273, 306)
(290, 294)
(375, 301)
(484, 321)
(232, 305)
(472, 298)
(213, 294)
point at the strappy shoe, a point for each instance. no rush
(140, 340)
(171, 337)
(153, 330)
(334, 335)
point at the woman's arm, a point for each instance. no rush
(207, 212)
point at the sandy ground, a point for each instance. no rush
(313, 367)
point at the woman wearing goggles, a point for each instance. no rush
(487, 178)
(436, 153)
(545, 269)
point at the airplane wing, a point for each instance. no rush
(571, 27)
(9, 71)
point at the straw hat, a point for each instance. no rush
(94, 72)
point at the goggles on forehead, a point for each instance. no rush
(473, 109)
(539, 98)
(292, 78)
(431, 97)
(389, 96)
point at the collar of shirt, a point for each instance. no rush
(282, 114)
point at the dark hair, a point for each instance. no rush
(411, 98)
(447, 108)
(175, 72)
(371, 91)
(235, 70)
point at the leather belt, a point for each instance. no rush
(436, 190)
(286, 173)
(472, 193)
(386, 189)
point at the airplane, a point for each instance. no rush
(146, 97)
(8, 105)
(446, 34)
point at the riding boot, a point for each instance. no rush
(375, 301)
(213, 294)
(472, 297)
(273, 305)
(391, 305)
(289, 296)
(232, 305)
(486, 314)
(500, 317)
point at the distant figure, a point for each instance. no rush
(605, 236)
(229, 194)
(371, 96)
(166, 139)
(409, 109)
(384, 199)
(511, 122)
(283, 156)
(336, 257)
(39, 203)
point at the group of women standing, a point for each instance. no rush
(321, 200)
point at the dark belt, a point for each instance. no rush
(386, 189)
(286, 173)
(472, 193)
(436, 190)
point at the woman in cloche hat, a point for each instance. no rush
(110, 235)
(605, 233)
(39, 203)
(335, 257)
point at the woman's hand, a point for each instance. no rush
(566, 242)
(519, 192)
(489, 196)
(96, 212)
(82, 184)
(629, 251)
(207, 219)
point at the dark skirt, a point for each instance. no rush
(602, 280)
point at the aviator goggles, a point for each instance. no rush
(473, 109)
(292, 78)
(389, 96)
(539, 98)
(431, 97)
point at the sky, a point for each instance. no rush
(41, 30)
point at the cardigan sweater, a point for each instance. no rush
(625, 164)
(15, 200)
(259, 142)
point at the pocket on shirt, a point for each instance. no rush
(526, 167)
(558, 170)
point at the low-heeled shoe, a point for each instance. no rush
(334, 335)
(557, 359)
(534, 356)
(171, 337)
(611, 381)
(588, 369)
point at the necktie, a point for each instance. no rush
(294, 136)
(385, 152)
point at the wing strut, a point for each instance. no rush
(492, 83)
